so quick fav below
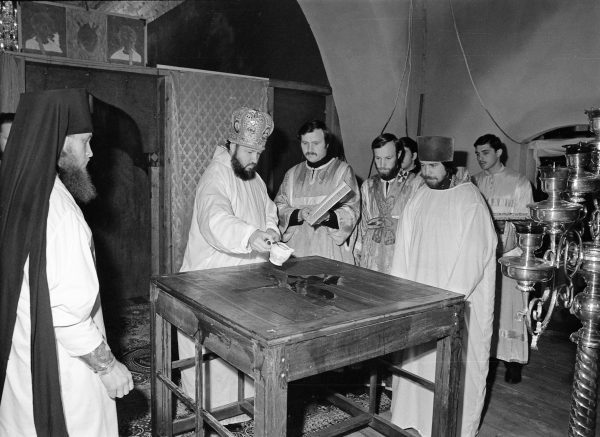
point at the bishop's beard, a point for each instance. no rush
(244, 173)
(78, 182)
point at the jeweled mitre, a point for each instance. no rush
(250, 128)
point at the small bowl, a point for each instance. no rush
(280, 253)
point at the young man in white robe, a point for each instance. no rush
(233, 223)
(305, 186)
(446, 239)
(506, 192)
(383, 197)
(58, 376)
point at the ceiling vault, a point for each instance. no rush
(147, 10)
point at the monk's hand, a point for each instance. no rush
(118, 381)
(275, 236)
(260, 241)
(113, 374)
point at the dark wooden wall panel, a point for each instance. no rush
(133, 93)
(291, 109)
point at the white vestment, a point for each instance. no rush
(507, 192)
(304, 186)
(78, 326)
(446, 239)
(227, 211)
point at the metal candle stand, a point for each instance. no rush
(568, 255)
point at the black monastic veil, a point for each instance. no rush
(29, 168)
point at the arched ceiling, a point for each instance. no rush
(148, 10)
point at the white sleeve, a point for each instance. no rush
(73, 286)
(348, 210)
(523, 196)
(272, 220)
(217, 222)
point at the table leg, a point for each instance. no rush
(199, 423)
(161, 399)
(447, 379)
(270, 399)
(373, 386)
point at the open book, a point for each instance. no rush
(329, 202)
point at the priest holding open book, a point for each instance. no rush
(318, 202)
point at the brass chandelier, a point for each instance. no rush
(570, 217)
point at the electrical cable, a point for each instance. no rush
(409, 57)
(407, 68)
(405, 73)
(473, 81)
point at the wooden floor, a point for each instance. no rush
(538, 405)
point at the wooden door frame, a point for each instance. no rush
(155, 159)
(331, 117)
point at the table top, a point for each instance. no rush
(306, 295)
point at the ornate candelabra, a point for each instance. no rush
(563, 217)
(528, 270)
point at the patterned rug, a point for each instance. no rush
(129, 334)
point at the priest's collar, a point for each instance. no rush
(489, 173)
(319, 163)
(402, 175)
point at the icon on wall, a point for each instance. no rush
(43, 29)
(126, 40)
(86, 35)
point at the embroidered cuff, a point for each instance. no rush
(101, 360)
(332, 221)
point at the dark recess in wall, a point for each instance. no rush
(264, 38)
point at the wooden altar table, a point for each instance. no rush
(280, 324)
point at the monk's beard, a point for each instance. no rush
(244, 173)
(78, 182)
(438, 184)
